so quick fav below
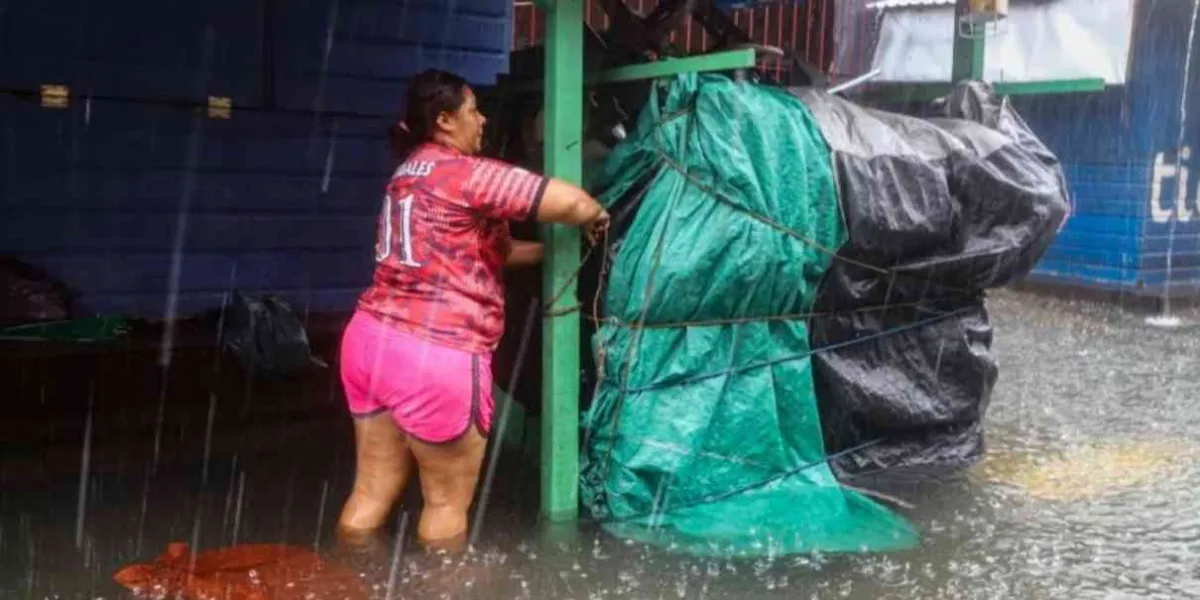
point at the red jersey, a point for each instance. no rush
(443, 242)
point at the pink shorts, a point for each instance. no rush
(434, 393)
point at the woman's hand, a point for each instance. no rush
(596, 229)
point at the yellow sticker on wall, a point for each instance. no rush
(990, 8)
(220, 107)
(55, 96)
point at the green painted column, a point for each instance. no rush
(560, 333)
(968, 51)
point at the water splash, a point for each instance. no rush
(237, 511)
(145, 505)
(321, 514)
(208, 431)
(329, 157)
(330, 28)
(229, 493)
(397, 551)
(85, 468)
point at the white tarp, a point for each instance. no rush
(1067, 39)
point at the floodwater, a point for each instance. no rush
(1089, 491)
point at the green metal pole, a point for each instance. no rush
(717, 61)
(968, 51)
(560, 334)
(923, 92)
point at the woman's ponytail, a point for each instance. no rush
(402, 142)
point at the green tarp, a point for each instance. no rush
(90, 329)
(704, 434)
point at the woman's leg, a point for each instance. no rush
(383, 463)
(449, 474)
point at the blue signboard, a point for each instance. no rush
(1130, 155)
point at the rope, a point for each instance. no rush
(624, 393)
(718, 196)
(723, 199)
(548, 307)
(920, 306)
(803, 355)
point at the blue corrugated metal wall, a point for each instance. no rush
(149, 208)
(1119, 236)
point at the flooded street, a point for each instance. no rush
(1088, 491)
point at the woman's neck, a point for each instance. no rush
(447, 142)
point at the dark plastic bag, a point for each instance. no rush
(938, 210)
(266, 336)
(31, 295)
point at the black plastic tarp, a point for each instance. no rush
(266, 336)
(937, 211)
(31, 295)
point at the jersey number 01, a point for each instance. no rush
(384, 248)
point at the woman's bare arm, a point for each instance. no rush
(569, 204)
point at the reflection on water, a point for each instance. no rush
(1088, 492)
(1089, 471)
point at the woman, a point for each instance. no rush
(416, 357)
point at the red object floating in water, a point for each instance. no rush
(242, 572)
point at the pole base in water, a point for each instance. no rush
(1164, 321)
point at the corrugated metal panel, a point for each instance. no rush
(273, 199)
(800, 26)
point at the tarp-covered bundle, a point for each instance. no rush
(738, 259)
(704, 431)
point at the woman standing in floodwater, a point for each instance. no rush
(416, 357)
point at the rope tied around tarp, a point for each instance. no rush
(549, 309)
(800, 316)
(802, 355)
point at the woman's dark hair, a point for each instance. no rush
(430, 94)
